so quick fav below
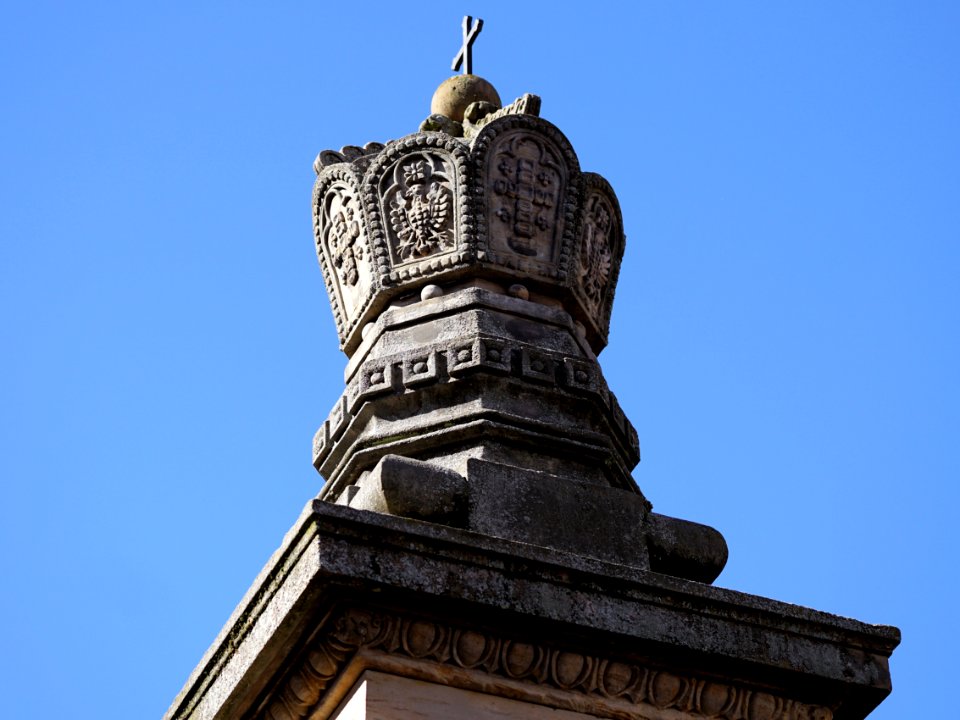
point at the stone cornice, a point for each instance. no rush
(335, 552)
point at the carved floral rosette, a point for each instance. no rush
(429, 208)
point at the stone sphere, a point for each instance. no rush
(519, 291)
(431, 291)
(456, 93)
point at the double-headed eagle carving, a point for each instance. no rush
(420, 214)
(595, 256)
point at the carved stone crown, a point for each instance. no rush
(471, 268)
(510, 205)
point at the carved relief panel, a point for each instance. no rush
(599, 250)
(527, 180)
(595, 257)
(343, 247)
(418, 204)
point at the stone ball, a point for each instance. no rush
(457, 92)
(519, 291)
(431, 291)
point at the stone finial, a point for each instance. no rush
(479, 546)
(471, 269)
(459, 92)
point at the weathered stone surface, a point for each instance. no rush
(352, 590)
(684, 549)
(509, 202)
(434, 367)
(479, 543)
(441, 123)
(515, 503)
(472, 283)
(503, 392)
(457, 93)
(479, 114)
(548, 510)
(413, 489)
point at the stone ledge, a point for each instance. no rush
(335, 555)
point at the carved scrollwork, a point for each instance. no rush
(512, 659)
(323, 661)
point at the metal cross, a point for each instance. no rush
(465, 56)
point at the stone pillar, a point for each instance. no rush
(479, 548)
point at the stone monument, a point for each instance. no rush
(479, 548)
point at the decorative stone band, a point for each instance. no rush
(498, 664)
(438, 364)
(510, 203)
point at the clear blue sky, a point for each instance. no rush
(785, 337)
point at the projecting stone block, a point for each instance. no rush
(543, 509)
(413, 489)
(684, 549)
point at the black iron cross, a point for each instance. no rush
(465, 56)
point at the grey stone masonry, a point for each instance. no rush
(471, 275)
(352, 590)
(479, 541)
(431, 208)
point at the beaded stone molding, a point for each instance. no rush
(431, 208)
